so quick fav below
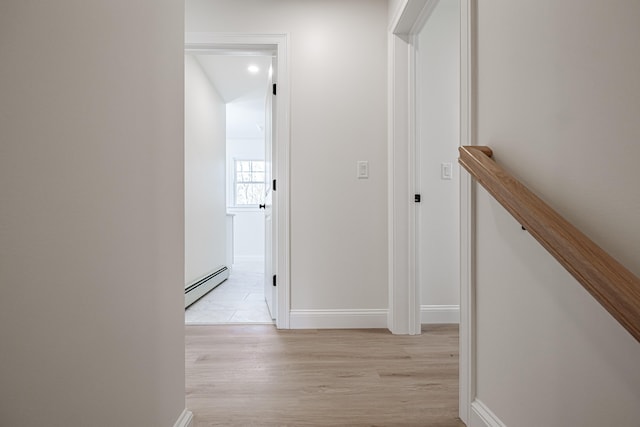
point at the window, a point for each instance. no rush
(249, 182)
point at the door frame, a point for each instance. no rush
(404, 292)
(404, 301)
(259, 43)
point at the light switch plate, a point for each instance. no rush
(363, 169)
(446, 170)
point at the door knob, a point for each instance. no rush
(262, 206)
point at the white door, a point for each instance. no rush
(270, 290)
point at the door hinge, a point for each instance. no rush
(274, 88)
(274, 280)
(273, 187)
(416, 198)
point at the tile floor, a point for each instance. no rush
(239, 299)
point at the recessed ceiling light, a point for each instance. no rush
(253, 69)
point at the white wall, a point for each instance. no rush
(558, 102)
(248, 225)
(205, 174)
(439, 122)
(91, 213)
(243, 118)
(338, 116)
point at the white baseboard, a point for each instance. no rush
(338, 319)
(481, 416)
(439, 314)
(184, 420)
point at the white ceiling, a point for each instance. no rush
(243, 92)
(230, 75)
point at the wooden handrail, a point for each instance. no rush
(609, 282)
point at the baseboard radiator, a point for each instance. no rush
(201, 287)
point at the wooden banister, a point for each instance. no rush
(609, 282)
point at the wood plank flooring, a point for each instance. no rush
(255, 375)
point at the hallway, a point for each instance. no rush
(257, 375)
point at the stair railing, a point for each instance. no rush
(609, 282)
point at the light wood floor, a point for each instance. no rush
(242, 375)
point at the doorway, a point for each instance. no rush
(256, 162)
(437, 178)
(408, 20)
(237, 82)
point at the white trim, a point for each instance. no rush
(482, 416)
(404, 305)
(282, 169)
(394, 23)
(423, 16)
(404, 23)
(467, 354)
(408, 19)
(413, 171)
(439, 314)
(391, 69)
(399, 203)
(338, 319)
(280, 44)
(185, 419)
(251, 44)
(232, 210)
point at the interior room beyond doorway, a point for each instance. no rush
(238, 85)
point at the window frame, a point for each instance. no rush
(234, 195)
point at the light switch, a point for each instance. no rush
(363, 169)
(446, 170)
